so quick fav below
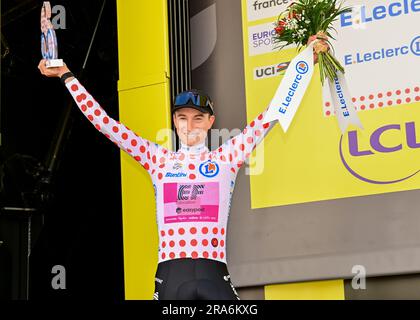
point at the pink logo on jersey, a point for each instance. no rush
(191, 202)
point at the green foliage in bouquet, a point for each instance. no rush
(308, 20)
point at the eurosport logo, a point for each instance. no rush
(270, 71)
(384, 53)
(260, 39)
(209, 169)
(263, 38)
(363, 14)
(408, 143)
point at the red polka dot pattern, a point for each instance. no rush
(389, 98)
(196, 239)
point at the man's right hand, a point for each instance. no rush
(52, 72)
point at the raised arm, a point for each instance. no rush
(237, 149)
(142, 150)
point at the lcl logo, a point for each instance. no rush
(375, 140)
(378, 147)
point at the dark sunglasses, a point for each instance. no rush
(197, 99)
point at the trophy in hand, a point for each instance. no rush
(48, 38)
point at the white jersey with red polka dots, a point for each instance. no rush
(193, 186)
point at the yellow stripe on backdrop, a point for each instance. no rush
(305, 164)
(317, 290)
(144, 104)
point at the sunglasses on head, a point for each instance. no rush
(197, 99)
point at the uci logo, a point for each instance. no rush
(209, 169)
(270, 71)
(302, 67)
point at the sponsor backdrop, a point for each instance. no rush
(379, 45)
(311, 214)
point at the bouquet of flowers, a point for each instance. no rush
(305, 21)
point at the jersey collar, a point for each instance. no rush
(198, 148)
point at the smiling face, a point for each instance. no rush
(192, 125)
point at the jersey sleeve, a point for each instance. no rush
(143, 151)
(237, 149)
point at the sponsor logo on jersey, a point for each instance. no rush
(177, 166)
(209, 169)
(175, 175)
(190, 191)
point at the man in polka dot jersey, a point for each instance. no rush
(193, 188)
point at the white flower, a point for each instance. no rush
(301, 32)
(292, 24)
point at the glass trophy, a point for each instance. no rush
(48, 38)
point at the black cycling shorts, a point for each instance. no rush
(193, 279)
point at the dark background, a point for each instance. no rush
(82, 228)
